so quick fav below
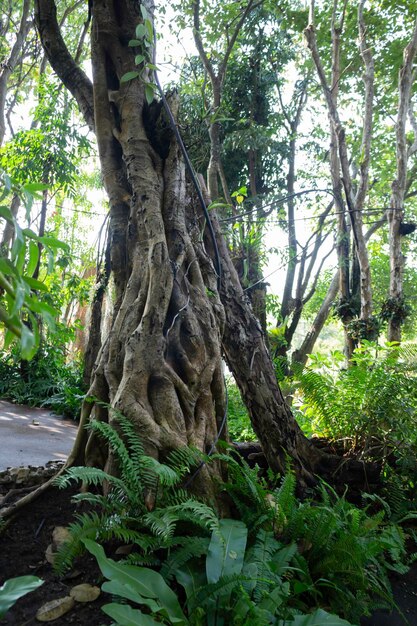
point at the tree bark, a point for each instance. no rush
(161, 362)
(396, 211)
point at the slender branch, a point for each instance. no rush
(62, 62)
(369, 79)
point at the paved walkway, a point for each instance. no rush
(31, 436)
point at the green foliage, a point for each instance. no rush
(144, 505)
(340, 553)
(49, 380)
(238, 420)
(51, 150)
(238, 586)
(23, 300)
(343, 552)
(373, 402)
(15, 588)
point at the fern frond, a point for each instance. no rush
(192, 547)
(86, 526)
(88, 475)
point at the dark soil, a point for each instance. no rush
(22, 551)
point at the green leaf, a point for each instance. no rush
(226, 550)
(192, 578)
(149, 30)
(318, 618)
(139, 58)
(140, 31)
(6, 213)
(144, 12)
(15, 588)
(28, 232)
(149, 92)
(37, 285)
(35, 189)
(27, 343)
(54, 243)
(124, 615)
(148, 583)
(7, 267)
(134, 43)
(117, 588)
(129, 76)
(33, 257)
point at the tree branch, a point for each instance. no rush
(60, 59)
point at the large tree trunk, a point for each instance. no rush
(161, 362)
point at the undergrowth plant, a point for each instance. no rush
(372, 403)
(48, 380)
(238, 420)
(371, 408)
(231, 585)
(343, 552)
(143, 505)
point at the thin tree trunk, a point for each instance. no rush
(396, 211)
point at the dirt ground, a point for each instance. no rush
(22, 551)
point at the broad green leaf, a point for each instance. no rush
(19, 296)
(53, 242)
(35, 284)
(140, 31)
(124, 615)
(6, 213)
(33, 257)
(148, 583)
(226, 550)
(144, 12)
(9, 337)
(192, 578)
(129, 76)
(15, 588)
(117, 588)
(7, 268)
(27, 343)
(28, 232)
(35, 188)
(318, 618)
(134, 43)
(149, 93)
(139, 58)
(149, 30)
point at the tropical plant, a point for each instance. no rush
(142, 505)
(15, 588)
(372, 404)
(343, 551)
(22, 301)
(238, 420)
(236, 586)
(50, 379)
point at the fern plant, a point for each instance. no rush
(232, 585)
(342, 552)
(373, 403)
(143, 504)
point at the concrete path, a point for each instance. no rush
(31, 436)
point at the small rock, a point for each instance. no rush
(85, 593)
(50, 554)
(60, 535)
(35, 422)
(54, 609)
